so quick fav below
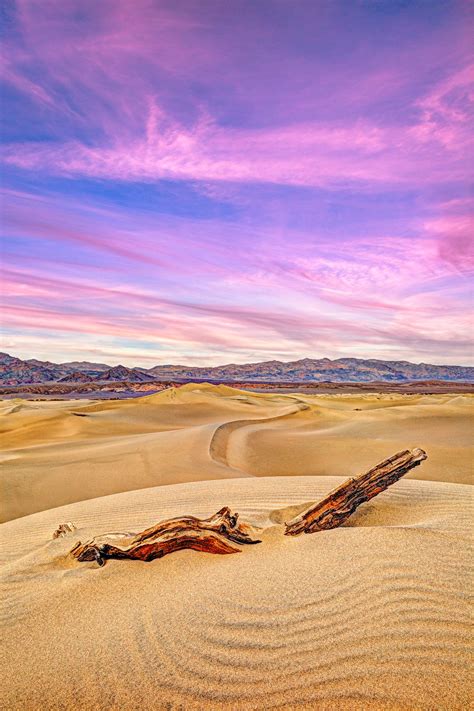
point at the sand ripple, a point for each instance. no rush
(374, 615)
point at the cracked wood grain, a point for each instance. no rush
(222, 534)
(341, 503)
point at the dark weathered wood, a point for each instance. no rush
(341, 503)
(217, 534)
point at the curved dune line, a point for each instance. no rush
(220, 438)
(209, 664)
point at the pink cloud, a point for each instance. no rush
(453, 229)
(133, 61)
(253, 114)
(301, 154)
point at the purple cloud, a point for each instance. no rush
(239, 180)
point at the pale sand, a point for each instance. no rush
(373, 615)
(51, 456)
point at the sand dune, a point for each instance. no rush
(55, 453)
(373, 615)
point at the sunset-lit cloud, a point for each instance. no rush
(223, 182)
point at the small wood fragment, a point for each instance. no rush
(218, 534)
(341, 503)
(63, 529)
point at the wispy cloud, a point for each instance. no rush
(310, 155)
(214, 183)
(376, 291)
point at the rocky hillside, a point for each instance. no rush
(76, 377)
(14, 371)
(120, 372)
(83, 366)
(310, 370)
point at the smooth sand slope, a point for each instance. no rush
(54, 453)
(373, 615)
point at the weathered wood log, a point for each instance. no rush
(341, 503)
(217, 534)
(221, 532)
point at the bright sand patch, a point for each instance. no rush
(373, 615)
(55, 453)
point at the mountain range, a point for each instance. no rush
(15, 371)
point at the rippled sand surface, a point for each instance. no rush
(372, 615)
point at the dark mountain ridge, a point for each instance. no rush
(318, 370)
(120, 372)
(14, 371)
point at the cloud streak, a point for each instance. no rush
(236, 181)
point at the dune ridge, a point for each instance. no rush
(58, 452)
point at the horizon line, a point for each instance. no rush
(228, 364)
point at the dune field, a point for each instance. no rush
(58, 452)
(371, 615)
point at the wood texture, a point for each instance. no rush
(218, 534)
(341, 503)
(223, 533)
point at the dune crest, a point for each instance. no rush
(55, 453)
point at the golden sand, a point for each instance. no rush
(55, 453)
(372, 615)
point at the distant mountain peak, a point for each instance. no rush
(14, 371)
(76, 376)
(121, 372)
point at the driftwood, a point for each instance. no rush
(217, 534)
(341, 503)
(223, 533)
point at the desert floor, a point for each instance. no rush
(372, 615)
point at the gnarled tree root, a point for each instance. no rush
(217, 534)
(341, 503)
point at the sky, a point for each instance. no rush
(206, 182)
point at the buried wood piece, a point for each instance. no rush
(341, 503)
(217, 534)
(63, 529)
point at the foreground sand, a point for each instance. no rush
(373, 615)
(55, 453)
